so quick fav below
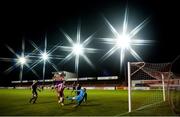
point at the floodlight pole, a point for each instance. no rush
(21, 74)
(129, 87)
(44, 65)
(77, 76)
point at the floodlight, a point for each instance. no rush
(44, 56)
(22, 60)
(123, 41)
(77, 49)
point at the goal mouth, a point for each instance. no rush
(147, 82)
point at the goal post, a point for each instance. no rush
(164, 95)
(129, 88)
(147, 84)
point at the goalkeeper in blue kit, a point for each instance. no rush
(79, 98)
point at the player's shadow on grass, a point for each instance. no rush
(45, 102)
(69, 104)
(88, 105)
(84, 104)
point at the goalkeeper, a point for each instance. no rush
(79, 98)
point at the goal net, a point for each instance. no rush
(174, 93)
(147, 84)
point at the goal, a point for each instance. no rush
(174, 93)
(147, 84)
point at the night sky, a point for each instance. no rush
(32, 20)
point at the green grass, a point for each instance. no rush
(100, 103)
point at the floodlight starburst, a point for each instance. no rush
(20, 61)
(124, 40)
(45, 56)
(78, 49)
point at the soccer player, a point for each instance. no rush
(79, 98)
(78, 87)
(60, 92)
(85, 97)
(34, 88)
(73, 87)
(59, 86)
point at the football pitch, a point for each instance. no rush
(15, 102)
